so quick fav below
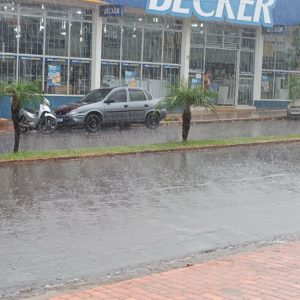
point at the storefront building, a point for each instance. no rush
(249, 49)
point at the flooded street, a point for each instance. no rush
(69, 139)
(83, 220)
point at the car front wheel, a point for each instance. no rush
(152, 120)
(93, 123)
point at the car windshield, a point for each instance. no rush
(94, 96)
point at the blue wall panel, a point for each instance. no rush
(269, 104)
(5, 107)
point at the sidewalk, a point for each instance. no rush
(6, 125)
(271, 272)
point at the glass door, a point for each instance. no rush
(220, 74)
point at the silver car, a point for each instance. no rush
(121, 106)
(293, 110)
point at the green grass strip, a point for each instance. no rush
(89, 152)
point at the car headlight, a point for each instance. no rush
(74, 112)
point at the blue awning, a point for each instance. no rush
(286, 12)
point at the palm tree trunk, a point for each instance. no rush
(186, 123)
(15, 118)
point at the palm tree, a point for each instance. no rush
(184, 97)
(22, 94)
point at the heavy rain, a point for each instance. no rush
(140, 137)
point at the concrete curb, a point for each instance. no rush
(142, 152)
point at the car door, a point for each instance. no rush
(138, 105)
(116, 107)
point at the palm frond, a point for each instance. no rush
(23, 92)
(184, 96)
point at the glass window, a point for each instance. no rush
(81, 14)
(80, 77)
(56, 71)
(32, 9)
(170, 77)
(172, 47)
(267, 83)
(131, 75)
(245, 91)
(132, 44)
(81, 39)
(133, 19)
(294, 87)
(196, 59)
(248, 44)
(154, 21)
(197, 34)
(57, 32)
(31, 69)
(149, 96)
(8, 33)
(282, 56)
(281, 86)
(152, 45)
(110, 74)
(269, 55)
(57, 11)
(95, 96)
(8, 64)
(247, 62)
(111, 42)
(31, 35)
(171, 23)
(137, 95)
(118, 97)
(152, 79)
(8, 6)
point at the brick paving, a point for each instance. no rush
(268, 273)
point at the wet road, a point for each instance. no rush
(64, 139)
(85, 219)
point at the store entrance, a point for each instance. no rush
(220, 74)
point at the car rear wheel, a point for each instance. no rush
(152, 120)
(93, 122)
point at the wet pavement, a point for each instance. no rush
(66, 139)
(82, 220)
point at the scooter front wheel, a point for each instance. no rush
(47, 125)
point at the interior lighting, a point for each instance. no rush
(79, 12)
(63, 33)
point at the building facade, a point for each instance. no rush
(249, 54)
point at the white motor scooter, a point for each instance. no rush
(42, 120)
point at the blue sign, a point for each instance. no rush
(244, 12)
(111, 11)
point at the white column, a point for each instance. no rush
(259, 52)
(185, 50)
(96, 50)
